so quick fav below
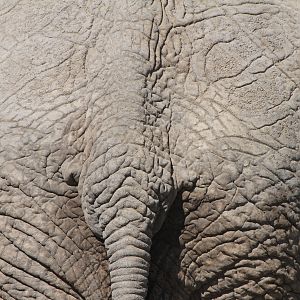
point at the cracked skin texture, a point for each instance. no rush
(131, 123)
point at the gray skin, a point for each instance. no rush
(149, 147)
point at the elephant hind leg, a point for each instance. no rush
(240, 248)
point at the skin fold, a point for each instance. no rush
(149, 149)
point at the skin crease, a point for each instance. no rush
(149, 150)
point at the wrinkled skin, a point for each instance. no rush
(149, 147)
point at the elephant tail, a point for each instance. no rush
(126, 196)
(127, 181)
(128, 248)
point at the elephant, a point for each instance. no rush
(150, 149)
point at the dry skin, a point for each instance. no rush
(149, 147)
